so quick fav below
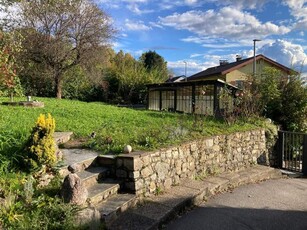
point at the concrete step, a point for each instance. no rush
(82, 157)
(115, 205)
(101, 191)
(92, 175)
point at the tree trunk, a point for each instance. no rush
(58, 85)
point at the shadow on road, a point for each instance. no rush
(220, 218)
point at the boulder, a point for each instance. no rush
(73, 191)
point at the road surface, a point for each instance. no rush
(275, 204)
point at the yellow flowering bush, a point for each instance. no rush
(41, 145)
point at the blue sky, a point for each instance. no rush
(201, 32)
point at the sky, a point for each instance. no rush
(202, 32)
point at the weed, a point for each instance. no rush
(159, 191)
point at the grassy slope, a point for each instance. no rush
(141, 129)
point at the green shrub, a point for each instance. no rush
(40, 148)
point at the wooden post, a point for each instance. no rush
(160, 102)
(216, 108)
(175, 100)
(193, 98)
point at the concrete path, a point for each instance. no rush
(274, 204)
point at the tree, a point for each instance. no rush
(153, 61)
(283, 99)
(293, 112)
(9, 81)
(127, 79)
(61, 34)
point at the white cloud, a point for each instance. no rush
(136, 10)
(154, 24)
(193, 66)
(238, 4)
(298, 10)
(136, 26)
(242, 4)
(228, 23)
(286, 53)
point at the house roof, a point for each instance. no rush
(226, 68)
(174, 85)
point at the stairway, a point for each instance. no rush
(105, 192)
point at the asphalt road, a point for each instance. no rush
(275, 204)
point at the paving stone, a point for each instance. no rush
(168, 200)
(132, 221)
(153, 210)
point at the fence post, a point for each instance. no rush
(280, 149)
(304, 169)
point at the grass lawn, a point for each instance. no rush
(115, 127)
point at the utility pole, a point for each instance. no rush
(254, 64)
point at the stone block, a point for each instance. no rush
(134, 175)
(216, 148)
(146, 172)
(167, 183)
(119, 162)
(152, 187)
(139, 184)
(209, 142)
(193, 147)
(128, 163)
(121, 173)
(184, 167)
(175, 154)
(145, 160)
(153, 177)
(169, 154)
(162, 170)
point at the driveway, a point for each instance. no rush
(274, 204)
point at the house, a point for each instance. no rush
(236, 72)
(200, 93)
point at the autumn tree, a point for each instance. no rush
(62, 34)
(9, 81)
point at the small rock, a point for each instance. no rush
(73, 168)
(73, 191)
(127, 149)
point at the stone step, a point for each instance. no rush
(106, 160)
(62, 137)
(82, 157)
(115, 205)
(92, 175)
(101, 191)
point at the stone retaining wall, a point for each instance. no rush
(147, 173)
